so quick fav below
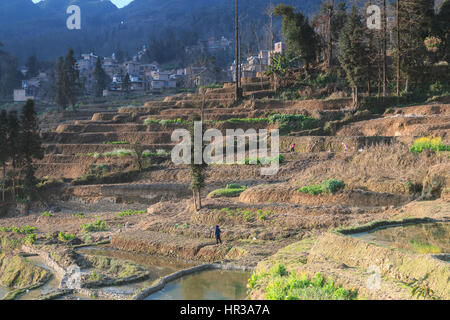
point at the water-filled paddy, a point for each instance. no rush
(207, 285)
(431, 238)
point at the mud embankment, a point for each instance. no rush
(151, 242)
(279, 193)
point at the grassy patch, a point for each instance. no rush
(121, 153)
(231, 190)
(293, 122)
(23, 230)
(263, 161)
(17, 272)
(247, 120)
(421, 247)
(165, 122)
(328, 186)
(130, 212)
(245, 214)
(47, 214)
(279, 284)
(98, 225)
(212, 86)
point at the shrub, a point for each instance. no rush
(278, 270)
(288, 286)
(333, 185)
(62, 236)
(30, 238)
(27, 229)
(231, 190)
(47, 214)
(233, 186)
(150, 121)
(313, 189)
(429, 143)
(23, 230)
(330, 186)
(98, 225)
(254, 279)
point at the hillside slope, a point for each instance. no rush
(27, 28)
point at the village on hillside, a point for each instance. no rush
(149, 77)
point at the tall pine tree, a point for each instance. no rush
(126, 84)
(14, 147)
(61, 98)
(71, 78)
(353, 53)
(300, 37)
(30, 146)
(100, 77)
(197, 170)
(415, 24)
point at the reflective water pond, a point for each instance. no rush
(207, 285)
(430, 238)
(157, 265)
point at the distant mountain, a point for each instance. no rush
(17, 11)
(27, 28)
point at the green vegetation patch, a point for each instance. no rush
(212, 86)
(279, 284)
(130, 212)
(165, 122)
(328, 186)
(231, 190)
(247, 120)
(105, 267)
(62, 236)
(121, 153)
(263, 161)
(246, 214)
(429, 143)
(427, 248)
(116, 142)
(98, 225)
(23, 230)
(293, 122)
(16, 272)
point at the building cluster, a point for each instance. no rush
(212, 45)
(32, 88)
(148, 77)
(142, 76)
(255, 64)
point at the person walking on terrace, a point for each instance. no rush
(218, 232)
(292, 148)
